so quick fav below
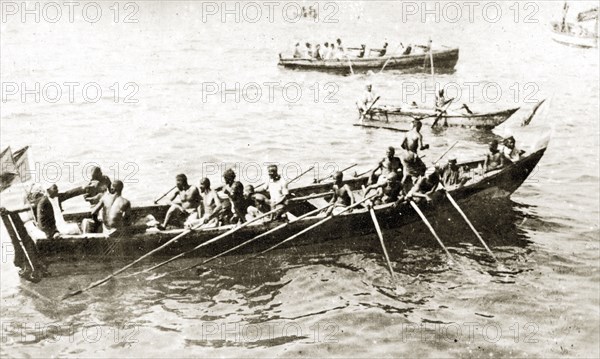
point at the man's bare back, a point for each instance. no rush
(115, 211)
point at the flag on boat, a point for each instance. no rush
(14, 167)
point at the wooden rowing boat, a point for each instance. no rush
(405, 115)
(445, 60)
(482, 189)
(568, 36)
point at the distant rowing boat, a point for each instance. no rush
(445, 60)
(568, 37)
(405, 115)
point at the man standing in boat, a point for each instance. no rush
(365, 101)
(115, 209)
(413, 140)
(184, 202)
(342, 194)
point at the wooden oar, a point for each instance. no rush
(310, 228)
(380, 235)
(464, 216)
(424, 219)
(364, 115)
(388, 60)
(245, 243)
(445, 153)
(163, 196)
(350, 64)
(331, 175)
(445, 109)
(300, 175)
(380, 127)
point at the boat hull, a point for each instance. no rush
(357, 223)
(571, 39)
(428, 116)
(445, 60)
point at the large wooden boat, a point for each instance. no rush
(445, 60)
(407, 114)
(481, 189)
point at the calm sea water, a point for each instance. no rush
(328, 300)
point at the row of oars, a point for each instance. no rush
(278, 228)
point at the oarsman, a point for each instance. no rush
(325, 52)
(48, 211)
(494, 159)
(115, 209)
(210, 201)
(388, 191)
(510, 151)
(334, 54)
(184, 202)
(413, 140)
(440, 105)
(342, 194)
(412, 167)
(297, 51)
(256, 203)
(390, 163)
(426, 186)
(362, 52)
(383, 51)
(309, 51)
(365, 101)
(278, 190)
(339, 46)
(317, 52)
(452, 174)
(234, 207)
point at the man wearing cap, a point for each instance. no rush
(184, 202)
(342, 194)
(365, 101)
(413, 140)
(494, 159)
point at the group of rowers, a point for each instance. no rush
(393, 180)
(336, 51)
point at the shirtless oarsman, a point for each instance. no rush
(413, 167)
(390, 163)
(234, 190)
(494, 159)
(342, 194)
(184, 202)
(115, 209)
(413, 140)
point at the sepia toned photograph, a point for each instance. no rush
(299, 179)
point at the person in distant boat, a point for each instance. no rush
(339, 46)
(308, 51)
(413, 140)
(383, 51)
(363, 51)
(390, 163)
(407, 50)
(184, 203)
(342, 194)
(325, 52)
(317, 52)
(278, 190)
(297, 52)
(425, 188)
(365, 101)
(412, 167)
(334, 54)
(256, 203)
(494, 159)
(115, 209)
(452, 175)
(510, 151)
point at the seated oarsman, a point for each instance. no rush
(412, 167)
(325, 51)
(116, 211)
(210, 203)
(340, 46)
(407, 50)
(297, 52)
(413, 139)
(510, 151)
(383, 51)
(365, 101)
(452, 175)
(426, 186)
(334, 54)
(234, 207)
(494, 159)
(308, 53)
(390, 163)
(184, 203)
(256, 203)
(387, 192)
(278, 190)
(342, 194)
(99, 185)
(317, 53)
(362, 52)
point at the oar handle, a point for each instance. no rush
(163, 196)
(445, 153)
(331, 175)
